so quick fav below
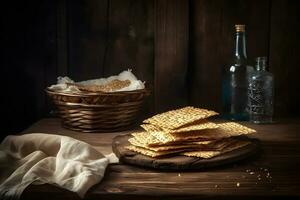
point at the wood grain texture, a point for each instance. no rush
(284, 56)
(280, 158)
(178, 47)
(130, 42)
(212, 41)
(206, 44)
(171, 53)
(130, 38)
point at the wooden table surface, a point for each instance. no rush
(272, 173)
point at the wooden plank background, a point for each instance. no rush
(212, 40)
(171, 54)
(178, 47)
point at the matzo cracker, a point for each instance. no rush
(176, 118)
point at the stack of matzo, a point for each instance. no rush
(187, 131)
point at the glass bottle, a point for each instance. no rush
(235, 80)
(260, 93)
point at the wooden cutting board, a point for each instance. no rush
(180, 162)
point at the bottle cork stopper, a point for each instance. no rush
(240, 28)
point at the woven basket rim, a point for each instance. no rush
(90, 94)
(60, 103)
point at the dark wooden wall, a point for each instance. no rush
(177, 46)
(272, 30)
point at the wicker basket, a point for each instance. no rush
(98, 112)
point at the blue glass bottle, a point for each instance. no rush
(260, 93)
(235, 80)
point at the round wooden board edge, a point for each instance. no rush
(193, 163)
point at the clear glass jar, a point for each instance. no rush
(260, 93)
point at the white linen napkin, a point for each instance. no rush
(135, 84)
(44, 158)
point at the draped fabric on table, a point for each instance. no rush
(43, 158)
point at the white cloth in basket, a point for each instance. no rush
(44, 158)
(135, 84)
